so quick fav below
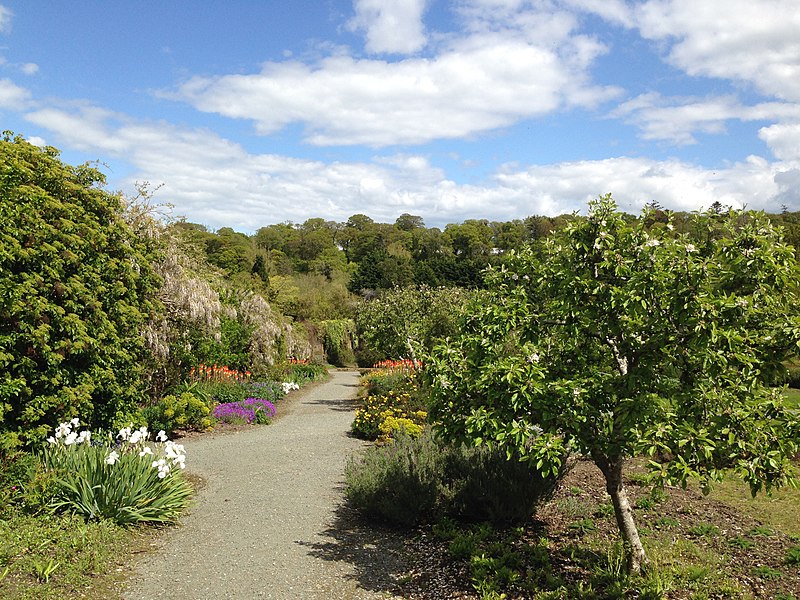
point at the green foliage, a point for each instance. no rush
(402, 322)
(54, 556)
(338, 341)
(185, 411)
(414, 480)
(793, 556)
(76, 288)
(617, 340)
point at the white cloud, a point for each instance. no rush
(678, 119)
(12, 96)
(754, 41)
(613, 11)
(216, 182)
(29, 68)
(391, 26)
(482, 82)
(5, 19)
(783, 139)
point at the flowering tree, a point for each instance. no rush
(620, 340)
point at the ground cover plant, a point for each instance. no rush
(622, 339)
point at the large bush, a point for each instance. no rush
(76, 287)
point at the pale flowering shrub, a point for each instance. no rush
(124, 478)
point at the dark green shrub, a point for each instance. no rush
(76, 288)
(337, 340)
(186, 411)
(484, 485)
(420, 480)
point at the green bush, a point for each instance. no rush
(124, 481)
(76, 288)
(421, 480)
(171, 413)
(486, 486)
(397, 482)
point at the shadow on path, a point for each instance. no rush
(376, 553)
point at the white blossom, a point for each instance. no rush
(112, 458)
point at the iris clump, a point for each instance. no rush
(123, 478)
(249, 410)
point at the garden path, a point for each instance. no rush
(268, 523)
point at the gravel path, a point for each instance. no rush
(269, 522)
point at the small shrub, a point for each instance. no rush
(667, 522)
(740, 542)
(414, 480)
(767, 573)
(793, 556)
(704, 530)
(583, 526)
(171, 413)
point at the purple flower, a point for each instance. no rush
(245, 410)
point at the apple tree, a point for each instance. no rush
(619, 339)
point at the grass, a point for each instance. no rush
(779, 510)
(62, 556)
(792, 396)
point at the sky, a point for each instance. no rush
(246, 113)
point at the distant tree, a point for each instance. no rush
(620, 341)
(408, 222)
(403, 322)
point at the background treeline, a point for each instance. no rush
(294, 263)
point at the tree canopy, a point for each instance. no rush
(623, 337)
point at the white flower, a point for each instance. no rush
(670, 226)
(85, 437)
(146, 451)
(288, 386)
(75, 422)
(52, 440)
(124, 433)
(70, 439)
(690, 248)
(161, 436)
(534, 358)
(652, 242)
(162, 466)
(135, 438)
(112, 458)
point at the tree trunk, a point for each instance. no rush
(634, 551)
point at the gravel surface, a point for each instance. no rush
(268, 522)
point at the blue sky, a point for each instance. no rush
(248, 113)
